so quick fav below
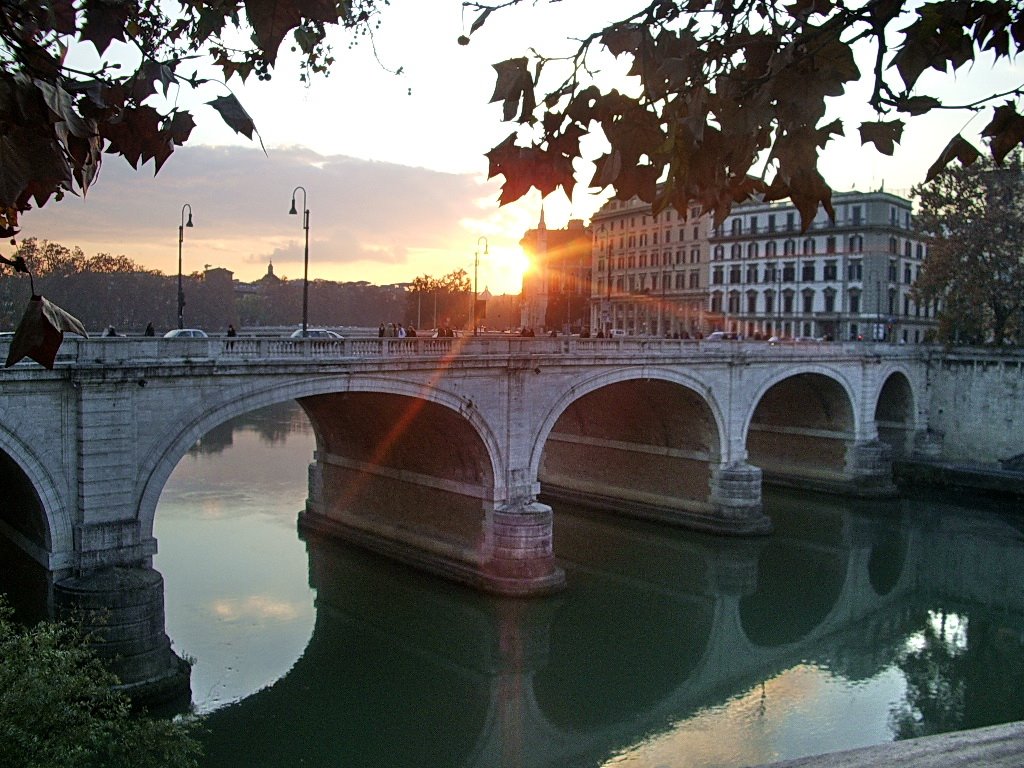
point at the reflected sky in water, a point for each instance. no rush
(851, 625)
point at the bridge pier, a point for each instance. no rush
(122, 609)
(869, 469)
(736, 500)
(500, 547)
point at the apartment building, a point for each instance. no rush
(649, 272)
(847, 279)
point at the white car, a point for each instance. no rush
(186, 333)
(316, 333)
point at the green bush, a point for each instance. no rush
(59, 707)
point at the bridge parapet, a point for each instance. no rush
(137, 350)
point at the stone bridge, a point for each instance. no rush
(433, 451)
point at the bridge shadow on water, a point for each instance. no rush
(656, 627)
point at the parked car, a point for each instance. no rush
(316, 333)
(186, 333)
(722, 336)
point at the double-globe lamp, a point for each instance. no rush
(181, 239)
(305, 257)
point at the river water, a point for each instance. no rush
(852, 624)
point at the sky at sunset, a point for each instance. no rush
(393, 164)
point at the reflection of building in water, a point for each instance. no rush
(658, 628)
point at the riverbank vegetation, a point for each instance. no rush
(59, 707)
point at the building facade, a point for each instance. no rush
(847, 279)
(556, 288)
(649, 276)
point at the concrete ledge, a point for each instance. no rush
(990, 481)
(998, 746)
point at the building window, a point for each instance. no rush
(737, 226)
(770, 249)
(751, 302)
(856, 244)
(906, 274)
(734, 274)
(830, 300)
(808, 297)
(734, 303)
(789, 248)
(807, 272)
(769, 302)
(808, 246)
(694, 279)
(857, 215)
(830, 272)
(751, 273)
(736, 251)
(679, 281)
(855, 302)
(695, 255)
(770, 272)
(717, 276)
(716, 302)
(855, 270)
(920, 251)
(893, 273)
(893, 245)
(790, 219)
(696, 236)
(719, 253)
(788, 271)
(752, 251)
(787, 302)
(668, 235)
(753, 224)
(830, 244)
(682, 233)
(643, 259)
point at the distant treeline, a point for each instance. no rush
(105, 290)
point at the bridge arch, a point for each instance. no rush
(801, 424)
(896, 411)
(200, 417)
(21, 468)
(651, 451)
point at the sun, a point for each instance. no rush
(506, 266)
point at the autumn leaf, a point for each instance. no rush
(958, 148)
(883, 134)
(513, 87)
(41, 331)
(273, 19)
(105, 22)
(1005, 131)
(232, 113)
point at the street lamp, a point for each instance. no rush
(305, 256)
(181, 239)
(476, 268)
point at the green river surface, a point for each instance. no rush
(853, 623)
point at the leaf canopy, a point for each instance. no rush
(731, 97)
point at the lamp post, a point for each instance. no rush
(305, 256)
(181, 239)
(476, 268)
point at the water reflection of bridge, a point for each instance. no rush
(658, 626)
